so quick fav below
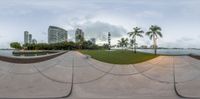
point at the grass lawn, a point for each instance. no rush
(119, 56)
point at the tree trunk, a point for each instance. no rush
(155, 45)
(132, 47)
(135, 49)
(135, 45)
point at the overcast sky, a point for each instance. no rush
(179, 19)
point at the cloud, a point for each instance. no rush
(184, 39)
(92, 28)
(96, 18)
(183, 42)
(100, 30)
(149, 14)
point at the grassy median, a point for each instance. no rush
(119, 56)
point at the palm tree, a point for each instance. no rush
(136, 32)
(132, 43)
(123, 42)
(153, 33)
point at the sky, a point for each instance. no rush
(179, 20)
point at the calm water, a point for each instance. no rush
(172, 51)
(6, 52)
(10, 53)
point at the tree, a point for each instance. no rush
(123, 42)
(15, 45)
(132, 43)
(87, 45)
(153, 33)
(136, 32)
(81, 40)
(59, 46)
(105, 46)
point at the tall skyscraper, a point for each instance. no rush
(56, 34)
(26, 36)
(34, 41)
(93, 40)
(79, 35)
(30, 38)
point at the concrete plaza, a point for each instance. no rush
(73, 76)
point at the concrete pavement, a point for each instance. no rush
(153, 79)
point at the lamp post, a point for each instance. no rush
(109, 45)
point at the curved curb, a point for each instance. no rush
(35, 72)
(175, 83)
(81, 82)
(59, 97)
(29, 60)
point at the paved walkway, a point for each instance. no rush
(72, 74)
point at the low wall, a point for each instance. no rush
(26, 60)
(195, 56)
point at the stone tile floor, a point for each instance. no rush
(153, 79)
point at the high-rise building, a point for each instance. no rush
(79, 35)
(26, 36)
(34, 41)
(30, 38)
(56, 34)
(93, 40)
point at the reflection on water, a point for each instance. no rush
(6, 52)
(31, 53)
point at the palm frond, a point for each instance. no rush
(149, 33)
(157, 28)
(151, 37)
(130, 33)
(160, 34)
(140, 35)
(154, 30)
(140, 31)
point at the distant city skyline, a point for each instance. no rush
(28, 38)
(179, 19)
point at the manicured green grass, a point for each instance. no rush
(119, 56)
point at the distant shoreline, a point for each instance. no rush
(7, 49)
(114, 48)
